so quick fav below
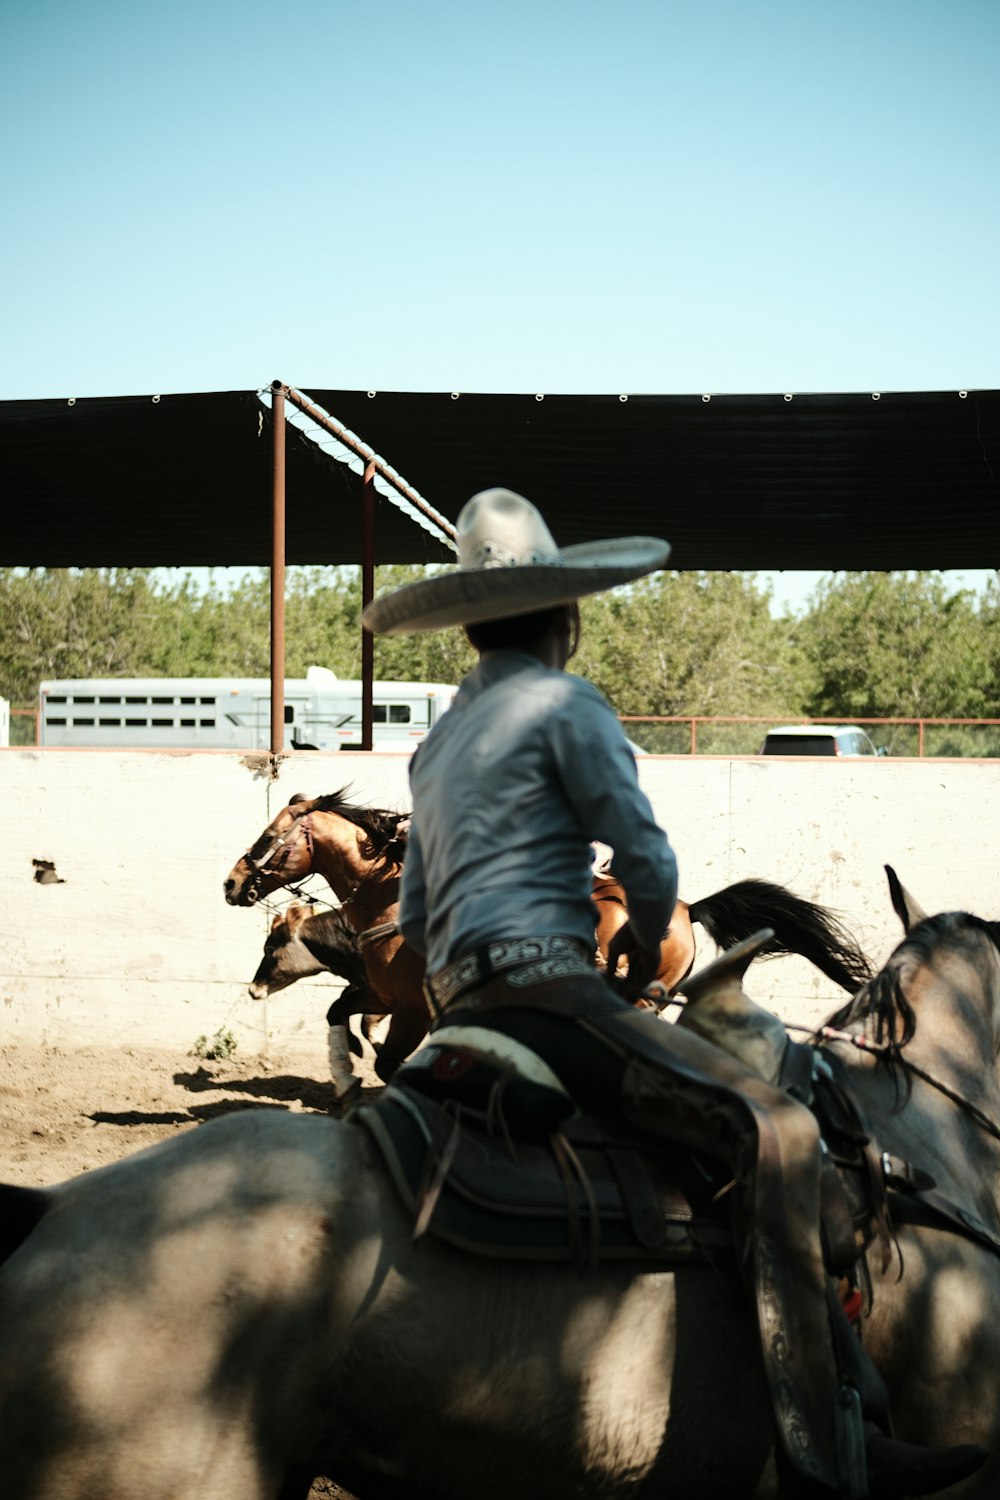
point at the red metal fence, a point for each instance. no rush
(699, 734)
(702, 734)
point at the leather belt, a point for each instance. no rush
(525, 961)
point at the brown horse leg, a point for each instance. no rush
(407, 1030)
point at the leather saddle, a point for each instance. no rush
(489, 1153)
(589, 1192)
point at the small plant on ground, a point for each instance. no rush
(221, 1044)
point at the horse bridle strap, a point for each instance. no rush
(377, 934)
(914, 1195)
(912, 1204)
(301, 826)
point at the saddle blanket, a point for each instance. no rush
(593, 1191)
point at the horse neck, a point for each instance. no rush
(956, 1000)
(954, 1045)
(365, 886)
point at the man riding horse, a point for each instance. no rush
(509, 789)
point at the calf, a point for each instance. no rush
(303, 942)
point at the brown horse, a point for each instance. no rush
(733, 914)
(359, 852)
(243, 1307)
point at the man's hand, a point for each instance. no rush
(642, 963)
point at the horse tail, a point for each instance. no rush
(800, 926)
(21, 1208)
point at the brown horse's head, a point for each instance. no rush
(327, 835)
(281, 855)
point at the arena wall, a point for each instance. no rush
(128, 941)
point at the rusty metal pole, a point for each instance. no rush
(367, 593)
(278, 571)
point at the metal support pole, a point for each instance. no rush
(367, 593)
(278, 572)
(322, 419)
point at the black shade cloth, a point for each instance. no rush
(735, 482)
(909, 480)
(180, 481)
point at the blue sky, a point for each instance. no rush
(650, 196)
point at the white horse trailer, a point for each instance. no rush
(322, 712)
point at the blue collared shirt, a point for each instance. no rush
(510, 788)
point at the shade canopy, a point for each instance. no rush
(179, 481)
(907, 480)
(733, 482)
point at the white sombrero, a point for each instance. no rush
(508, 564)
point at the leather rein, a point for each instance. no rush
(275, 851)
(983, 1120)
(915, 1193)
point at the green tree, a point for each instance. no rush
(66, 623)
(870, 645)
(692, 643)
(886, 645)
(989, 613)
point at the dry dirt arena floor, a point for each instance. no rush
(64, 1112)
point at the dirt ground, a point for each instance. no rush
(65, 1112)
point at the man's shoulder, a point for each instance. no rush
(580, 690)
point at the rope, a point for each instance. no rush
(864, 1045)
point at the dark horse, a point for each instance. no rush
(359, 852)
(243, 1308)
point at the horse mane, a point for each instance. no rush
(381, 826)
(883, 1000)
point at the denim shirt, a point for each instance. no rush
(511, 786)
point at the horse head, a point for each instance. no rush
(282, 854)
(944, 977)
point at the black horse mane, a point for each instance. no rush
(379, 824)
(883, 999)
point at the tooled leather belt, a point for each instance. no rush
(524, 961)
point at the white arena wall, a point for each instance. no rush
(136, 946)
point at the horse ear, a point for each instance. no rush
(908, 911)
(295, 916)
(297, 797)
(277, 920)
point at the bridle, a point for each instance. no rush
(653, 994)
(271, 851)
(270, 854)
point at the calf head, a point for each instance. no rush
(286, 956)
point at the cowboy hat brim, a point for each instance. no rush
(466, 596)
